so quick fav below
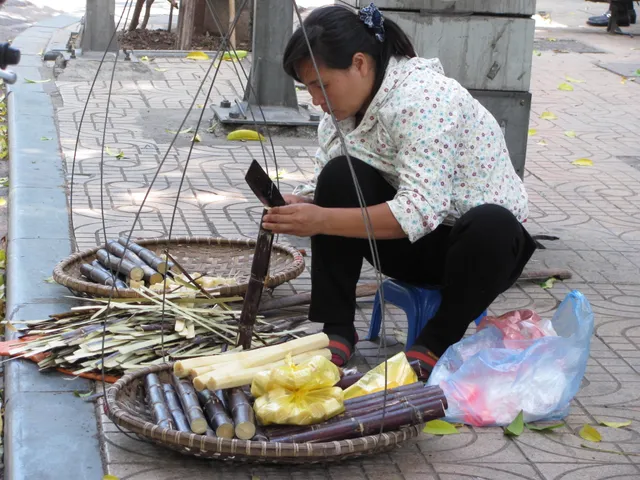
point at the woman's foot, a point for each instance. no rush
(425, 357)
(341, 349)
(623, 21)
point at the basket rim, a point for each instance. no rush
(78, 284)
(248, 449)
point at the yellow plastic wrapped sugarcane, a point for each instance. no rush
(302, 394)
(399, 372)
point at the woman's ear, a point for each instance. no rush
(362, 63)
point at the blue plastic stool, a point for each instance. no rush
(419, 304)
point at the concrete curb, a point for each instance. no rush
(50, 433)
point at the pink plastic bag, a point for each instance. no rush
(519, 325)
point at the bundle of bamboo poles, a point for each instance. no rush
(140, 334)
(228, 413)
(126, 264)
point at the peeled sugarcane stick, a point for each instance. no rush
(113, 263)
(190, 405)
(414, 413)
(150, 275)
(100, 276)
(197, 371)
(173, 402)
(155, 397)
(231, 377)
(150, 258)
(252, 358)
(216, 414)
(242, 412)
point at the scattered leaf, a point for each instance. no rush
(46, 139)
(439, 427)
(199, 106)
(110, 477)
(161, 69)
(603, 450)
(566, 87)
(49, 280)
(111, 153)
(532, 132)
(237, 55)
(548, 116)
(623, 80)
(573, 80)
(3, 201)
(196, 138)
(589, 433)
(615, 424)
(537, 53)
(279, 175)
(542, 142)
(144, 58)
(543, 428)
(548, 283)
(188, 130)
(551, 40)
(4, 182)
(28, 80)
(583, 162)
(638, 72)
(570, 134)
(516, 427)
(197, 56)
(82, 394)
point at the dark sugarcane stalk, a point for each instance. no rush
(154, 327)
(96, 264)
(120, 265)
(383, 394)
(413, 413)
(242, 412)
(173, 402)
(282, 324)
(151, 276)
(260, 435)
(155, 397)
(259, 270)
(363, 290)
(425, 392)
(210, 433)
(349, 379)
(217, 416)
(101, 276)
(190, 405)
(149, 257)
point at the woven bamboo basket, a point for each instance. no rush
(126, 406)
(217, 256)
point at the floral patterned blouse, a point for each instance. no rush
(434, 143)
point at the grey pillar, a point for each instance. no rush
(272, 30)
(99, 27)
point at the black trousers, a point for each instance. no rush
(472, 262)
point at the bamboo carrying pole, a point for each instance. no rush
(190, 405)
(216, 414)
(155, 398)
(173, 402)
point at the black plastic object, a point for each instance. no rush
(263, 187)
(8, 55)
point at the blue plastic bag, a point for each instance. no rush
(487, 384)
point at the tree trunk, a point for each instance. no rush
(185, 24)
(135, 19)
(147, 14)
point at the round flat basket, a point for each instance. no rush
(125, 406)
(220, 257)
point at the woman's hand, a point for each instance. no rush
(293, 199)
(300, 219)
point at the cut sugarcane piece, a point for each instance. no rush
(233, 376)
(190, 405)
(179, 327)
(197, 371)
(155, 396)
(100, 276)
(173, 402)
(117, 264)
(251, 358)
(151, 276)
(136, 284)
(216, 414)
(243, 417)
(191, 330)
(150, 258)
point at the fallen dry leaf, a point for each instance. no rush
(573, 80)
(583, 162)
(615, 424)
(589, 433)
(532, 132)
(548, 116)
(570, 134)
(197, 56)
(565, 87)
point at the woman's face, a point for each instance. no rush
(348, 91)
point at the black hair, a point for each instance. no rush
(336, 34)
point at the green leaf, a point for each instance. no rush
(110, 477)
(543, 428)
(82, 394)
(144, 58)
(583, 162)
(589, 433)
(548, 116)
(573, 80)
(570, 134)
(27, 80)
(548, 283)
(4, 181)
(196, 138)
(46, 139)
(638, 72)
(532, 132)
(565, 87)
(439, 427)
(161, 69)
(3, 201)
(111, 153)
(537, 53)
(615, 424)
(49, 280)
(516, 427)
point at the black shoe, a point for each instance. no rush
(603, 20)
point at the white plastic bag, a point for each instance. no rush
(488, 379)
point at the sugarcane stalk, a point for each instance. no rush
(259, 270)
(101, 276)
(155, 397)
(190, 405)
(382, 394)
(216, 414)
(243, 417)
(149, 257)
(151, 276)
(260, 435)
(173, 402)
(364, 290)
(413, 413)
(425, 392)
(120, 265)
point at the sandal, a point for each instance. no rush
(341, 349)
(426, 358)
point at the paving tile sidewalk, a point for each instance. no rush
(594, 210)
